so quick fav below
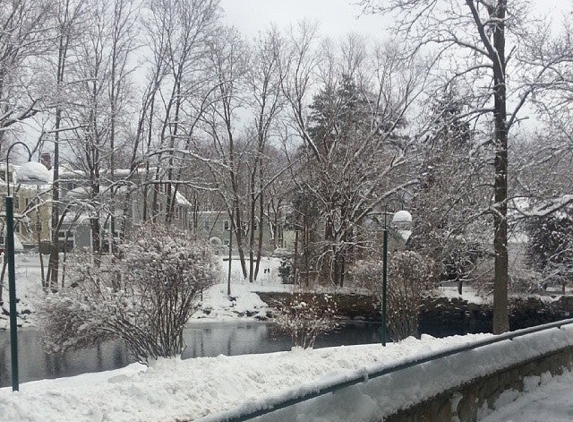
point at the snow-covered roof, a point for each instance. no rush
(122, 172)
(181, 200)
(33, 173)
(66, 173)
(80, 192)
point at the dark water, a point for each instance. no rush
(203, 339)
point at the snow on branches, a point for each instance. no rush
(143, 300)
(409, 275)
(305, 315)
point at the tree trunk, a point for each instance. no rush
(500, 286)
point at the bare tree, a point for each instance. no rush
(24, 37)
(265, 99)
(68, 16)
(241, 117)
(354, 153)
(178, 32)
(97, 86)
(449, 200)
(228, 64)
(472, 38)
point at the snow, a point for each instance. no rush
(405, 234)
(216, 305)
(33, 173)
(242, 303)
(207, 388)
(551, 397)
(450, 291)
(172, 389)
(402, 216)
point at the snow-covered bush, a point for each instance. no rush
(409, 277)
(305, 315)
(143, 299)
(367, 275)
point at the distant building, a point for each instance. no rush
(32, 210)
(125, 200)
(129, 197)
(216, 227)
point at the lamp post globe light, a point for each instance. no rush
(29, 173)
(402, 220)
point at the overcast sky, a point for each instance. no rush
(336, 17)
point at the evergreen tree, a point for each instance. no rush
(353, 160)
(448, 199)
(550, 248)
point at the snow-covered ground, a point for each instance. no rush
(216, 305)
(174, 389)
(195, 388)
(545, 399)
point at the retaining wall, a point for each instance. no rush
(451, 384)
(465, 402)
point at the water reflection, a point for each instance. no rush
(203, 339)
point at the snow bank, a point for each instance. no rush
(203, 387)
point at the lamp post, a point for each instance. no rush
(383, 328)
(33, 175)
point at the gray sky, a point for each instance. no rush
(336, 17)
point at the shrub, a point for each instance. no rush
(305, 316)
(143, 301)
(409, 276)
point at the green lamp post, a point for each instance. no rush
(30, 173)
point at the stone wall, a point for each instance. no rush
(441, 317)
(465, 403)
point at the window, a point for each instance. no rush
(16, 203)
(66, 240)
(177, 213)
(3, 175)
(227, 225)
(38, 227)
(207, 224)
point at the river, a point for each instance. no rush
(202, 339)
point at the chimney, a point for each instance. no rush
(46, 160)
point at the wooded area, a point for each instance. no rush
(461, 117)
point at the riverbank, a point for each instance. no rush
(446, 313)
